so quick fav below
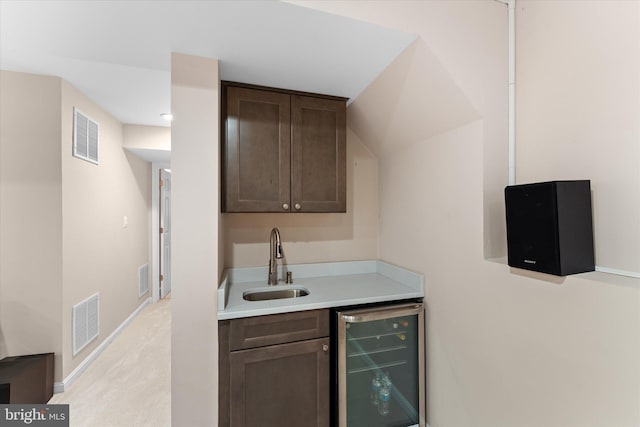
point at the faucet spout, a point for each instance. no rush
(275, 252)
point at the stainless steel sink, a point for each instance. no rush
(276, 293)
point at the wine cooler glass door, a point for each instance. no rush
(381, 366)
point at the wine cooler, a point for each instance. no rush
(380, 366)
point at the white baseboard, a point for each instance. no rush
(59, 387)
(634, 274)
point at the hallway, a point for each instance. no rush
(129, 384)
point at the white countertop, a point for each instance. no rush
(329, 284)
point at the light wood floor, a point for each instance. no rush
(129, 384)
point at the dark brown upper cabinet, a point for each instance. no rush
(284, 151)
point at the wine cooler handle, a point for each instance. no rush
(368, 315)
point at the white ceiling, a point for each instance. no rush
(118, 52)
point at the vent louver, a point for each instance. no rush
(86, 322)
(143, 280)
(85, 137)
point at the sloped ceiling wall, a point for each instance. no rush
(452, 76)
(414, 99)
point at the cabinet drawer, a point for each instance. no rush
(261, 331)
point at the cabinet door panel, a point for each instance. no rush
(257, 151)
(281, 385)
(319, 152)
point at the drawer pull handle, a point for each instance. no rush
(325, 347)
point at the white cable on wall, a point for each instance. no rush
(512, 91)
(511, 10)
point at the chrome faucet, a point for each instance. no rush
(275, 252)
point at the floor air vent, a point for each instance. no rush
(143, 280)
(86, 322)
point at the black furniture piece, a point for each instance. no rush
(549, 227)
(26, 379)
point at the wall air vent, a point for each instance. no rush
(85, 137)
(143, 279)
(86, 322)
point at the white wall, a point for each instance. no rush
(505, 347)
(578, 107)
(195, 210)
(30, 216)
(99, 253)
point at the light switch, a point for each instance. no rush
(125, 222)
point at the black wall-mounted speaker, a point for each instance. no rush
(549, 227)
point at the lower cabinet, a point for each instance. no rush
(275, 370)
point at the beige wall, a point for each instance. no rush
(578, 111)
(62, 221)
(195, 99)
(147, 137)
(99, 253)
(505, 347)
(30, 216)
(314, 237)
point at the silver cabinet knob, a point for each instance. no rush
(297, 206)
(325, 347)
(285, 206)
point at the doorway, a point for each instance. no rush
(158, 245)
(164, 247)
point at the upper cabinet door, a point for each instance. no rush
(318, 155)
(257, 151)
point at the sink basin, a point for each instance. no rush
(276, 293)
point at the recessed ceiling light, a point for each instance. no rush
(167, 116)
